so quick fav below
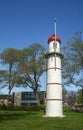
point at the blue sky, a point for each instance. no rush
(23, 22)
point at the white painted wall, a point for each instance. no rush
(54, 82)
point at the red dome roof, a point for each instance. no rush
(53, 37)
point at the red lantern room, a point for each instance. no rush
(54, 37)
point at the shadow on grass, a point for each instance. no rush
(14, 115)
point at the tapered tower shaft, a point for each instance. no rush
(54, 79)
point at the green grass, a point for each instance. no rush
(23, 120)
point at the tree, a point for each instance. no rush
(31, 67)
(65, 95)
(73, 62)
(79, 97)
(72, 97)
(9, 77)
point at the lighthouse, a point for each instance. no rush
(54, 100)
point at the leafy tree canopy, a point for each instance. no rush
(73, 62)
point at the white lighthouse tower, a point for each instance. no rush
(54, 79)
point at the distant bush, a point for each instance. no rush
(3, 107)
(26, 108)
(18, 108)
(10, 107)
(42, 107)
(33, 108)
(23, 108)
(67, 109)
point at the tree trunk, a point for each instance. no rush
(37, 97)
(9, 82)
(8, 98)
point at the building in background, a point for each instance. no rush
(28, 98)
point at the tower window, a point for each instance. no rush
(55, 45)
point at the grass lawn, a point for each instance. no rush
(23, 120)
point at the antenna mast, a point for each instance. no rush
(55, 28)
(55, 40)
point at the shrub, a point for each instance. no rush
(23, 108)
(3, 107)
(10, 107)
(32, 108)
(18, 108)
(28, 108)
(67, 109)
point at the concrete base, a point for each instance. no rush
(54, 116)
